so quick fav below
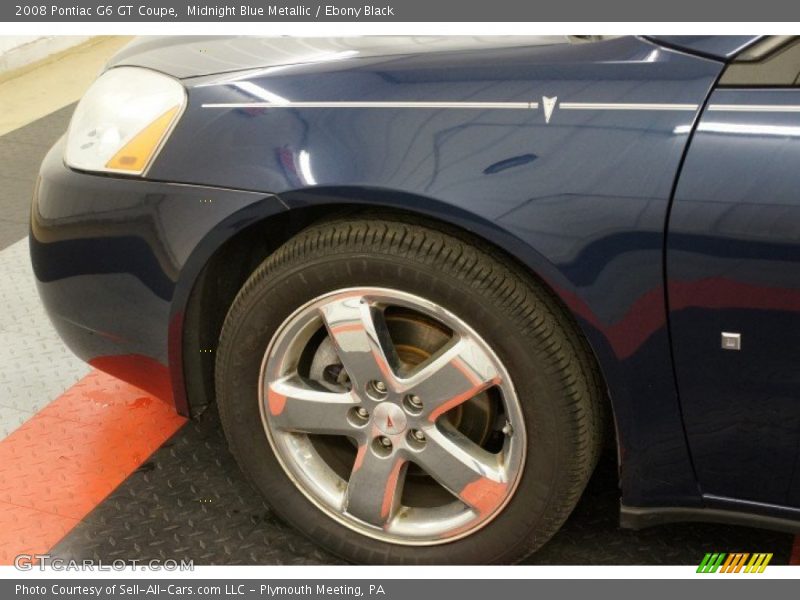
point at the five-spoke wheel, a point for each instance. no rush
(402, 395)
(392, 413)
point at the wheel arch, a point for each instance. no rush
(197, 322)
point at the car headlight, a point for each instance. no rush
(123, 120)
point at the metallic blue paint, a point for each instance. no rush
(582, 201)
(734, 265)
(715, 46)
(115, 260)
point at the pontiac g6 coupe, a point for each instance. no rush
(426, 280)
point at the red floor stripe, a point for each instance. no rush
(68, 457)
(795, 558)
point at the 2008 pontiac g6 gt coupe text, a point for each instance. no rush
(426, 280)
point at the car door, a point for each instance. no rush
(733, 273)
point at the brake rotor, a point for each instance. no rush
(415, 338)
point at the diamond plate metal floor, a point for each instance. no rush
(36, 367)
(190, 501)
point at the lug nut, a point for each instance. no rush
(377, 390)
(358, 416)
(416, 439)
(382, 446)
(412, 404)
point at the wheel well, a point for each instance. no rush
(216, 287)
(230, 266)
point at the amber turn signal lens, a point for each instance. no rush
(135, 155)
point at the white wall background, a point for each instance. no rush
(9, 42)
(18, 51)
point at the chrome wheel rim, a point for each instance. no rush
(415, 442)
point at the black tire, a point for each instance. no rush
(549, 362)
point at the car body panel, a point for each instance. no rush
(110, 256)
(733, 257)
(581, 200)
(716, 46)
(195, 56)
(570, 168)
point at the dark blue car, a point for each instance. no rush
(427, 280)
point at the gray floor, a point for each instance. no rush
(21, 153)
(35, 366)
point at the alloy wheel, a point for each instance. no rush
(392, 415)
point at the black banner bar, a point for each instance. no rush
(730, 588)
(399, 11)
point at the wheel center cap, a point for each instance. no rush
(390, 418)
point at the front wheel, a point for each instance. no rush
(402, 397)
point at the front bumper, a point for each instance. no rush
(115, 260)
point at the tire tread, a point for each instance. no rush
(502, 284)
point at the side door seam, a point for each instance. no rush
(664, 268)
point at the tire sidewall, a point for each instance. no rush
(274, 294)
